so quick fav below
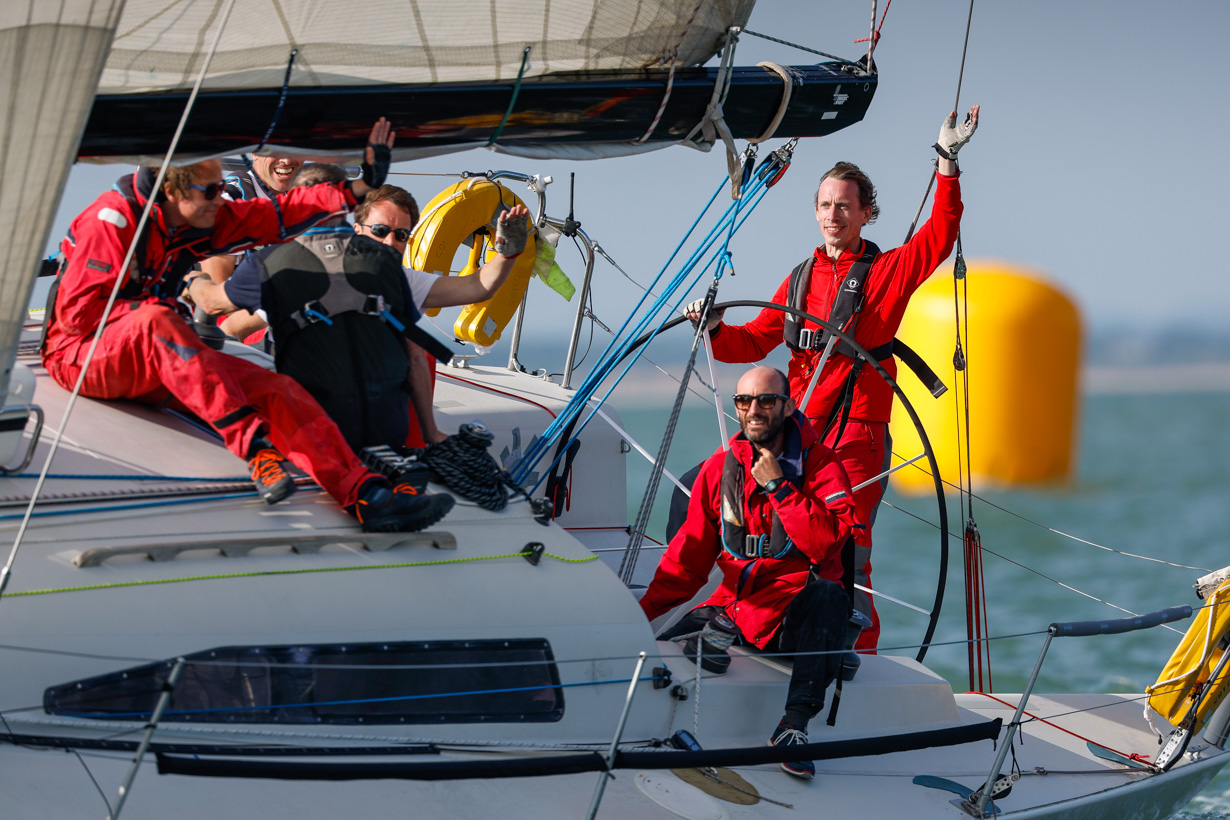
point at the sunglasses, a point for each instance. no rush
(211, 190)
(767, 401)
(381, 231)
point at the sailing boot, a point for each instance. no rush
(269, 471)
(400, 509)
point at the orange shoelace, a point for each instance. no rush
(267, 466)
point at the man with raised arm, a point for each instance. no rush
(148, 352)
(775, 514)
(850, 283)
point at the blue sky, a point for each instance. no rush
(1100, 160)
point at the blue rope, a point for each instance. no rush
(394, 699)
(618, 346)
(729, 222)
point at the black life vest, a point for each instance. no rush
(735, 540)
(338, 305)
(732, 516)
(843, 313)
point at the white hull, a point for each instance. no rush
(119, 608)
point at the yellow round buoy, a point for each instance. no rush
(1022, 357)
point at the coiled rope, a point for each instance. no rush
(464, 466)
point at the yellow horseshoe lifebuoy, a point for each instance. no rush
(461, 211)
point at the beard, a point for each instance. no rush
(773, 423)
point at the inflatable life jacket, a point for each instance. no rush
(735, 539)
(843, 314)
(340, 310)
(467, 213)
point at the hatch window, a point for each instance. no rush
(373, 683)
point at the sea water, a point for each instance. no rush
(1145, 514)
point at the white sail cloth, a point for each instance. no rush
(159, 42)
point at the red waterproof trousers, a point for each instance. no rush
(862, 452)
(148, 353)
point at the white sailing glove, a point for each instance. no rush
(510, 234)
(692, 311)
(953, 136)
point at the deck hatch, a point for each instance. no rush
(411, 682)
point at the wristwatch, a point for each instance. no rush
(773, 484)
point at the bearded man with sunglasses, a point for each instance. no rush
(148, 352)
(775, 513)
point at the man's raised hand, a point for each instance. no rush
(511, 231)
(378, 155)
(954, 136)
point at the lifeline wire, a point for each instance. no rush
(115, 290)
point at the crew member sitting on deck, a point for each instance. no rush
(341, 310)
(147, 351)
(775, 513)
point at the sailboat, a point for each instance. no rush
(173, 646)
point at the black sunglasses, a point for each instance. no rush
(211, 190)
(768, 401)
(381, 231)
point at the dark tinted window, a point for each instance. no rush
(451, 682)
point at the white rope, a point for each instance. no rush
(787, 90)
(115, 290)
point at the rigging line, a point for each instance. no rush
(166, 502)
(805, 48)
(628, 564)
(1034, 717)
(525, 61)
(956, 106)
(1040, 574)
(673, 51)
(696, 373)
(121, 275)
(1063, 534)
(277, 112)
(616, 353)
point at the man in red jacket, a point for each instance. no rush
(147, 351)
(774, 513)
(850, 403)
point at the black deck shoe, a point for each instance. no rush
(788, 735)
(400, 508)
(269, 473)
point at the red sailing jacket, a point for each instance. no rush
(893, 278)
(815, 521)
(99, 236)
